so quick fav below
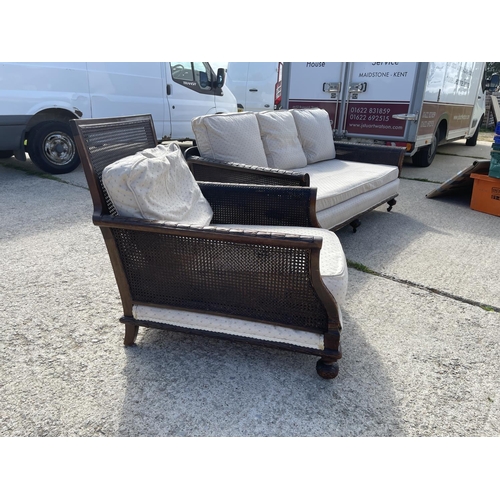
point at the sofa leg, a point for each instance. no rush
(327, 368)
(130, 334)
(391, 203)
(355, 224)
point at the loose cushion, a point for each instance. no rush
(156, 184)
(315, 134)
(233, 137)
(281, 141)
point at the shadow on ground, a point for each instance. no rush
(183, 385)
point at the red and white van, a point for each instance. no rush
(409, 104)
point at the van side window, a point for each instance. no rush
(197, 76)
(182, 71)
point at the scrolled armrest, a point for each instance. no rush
(370, 153)
(211, 232)
(208, 169)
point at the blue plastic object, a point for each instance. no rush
(497, 128)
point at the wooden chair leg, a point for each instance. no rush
(327, 368)
(130, 334)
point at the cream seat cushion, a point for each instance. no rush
(281, 141)
(339, 180)
(233, 137)
(156, 184)
(315, 134)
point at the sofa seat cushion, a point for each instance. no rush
(156, 184)
(315, 134)
(233, 137)
(281, 141)
(338, 180)
(338, 215)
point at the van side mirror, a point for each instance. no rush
(204, 83)
(221, 77)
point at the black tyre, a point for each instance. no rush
(472, 141)
(6, 154)
(52, 148)
(425, 156)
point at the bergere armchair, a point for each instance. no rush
(253, 267)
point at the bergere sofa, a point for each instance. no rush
(296, 147)
(240, 262)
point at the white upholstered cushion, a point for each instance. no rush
(230, 326)
(345, 211)
(156, 184)
(233, 137)
(281, 141)
(338, 180)
(315, 134)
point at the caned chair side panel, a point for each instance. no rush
(253, 281)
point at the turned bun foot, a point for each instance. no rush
(391, 203)
(327, 369)
(355, 224)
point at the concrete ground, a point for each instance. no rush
(421, 339)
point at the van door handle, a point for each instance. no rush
(410, 117)
(253, 90)
(169, 90)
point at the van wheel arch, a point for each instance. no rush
(425, 156)
(472, 141)
(53, 114)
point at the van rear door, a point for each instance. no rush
(374, 92)
(314, 84)
(253, 84)
(360, 97)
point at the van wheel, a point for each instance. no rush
(6, 154)
(424, 156)
(472, 141)
(51, 147)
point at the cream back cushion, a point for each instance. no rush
(315, 134)
(156, 184)
(233, 137)
(281, 141)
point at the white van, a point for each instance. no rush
(253, 84)
(37, 100)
